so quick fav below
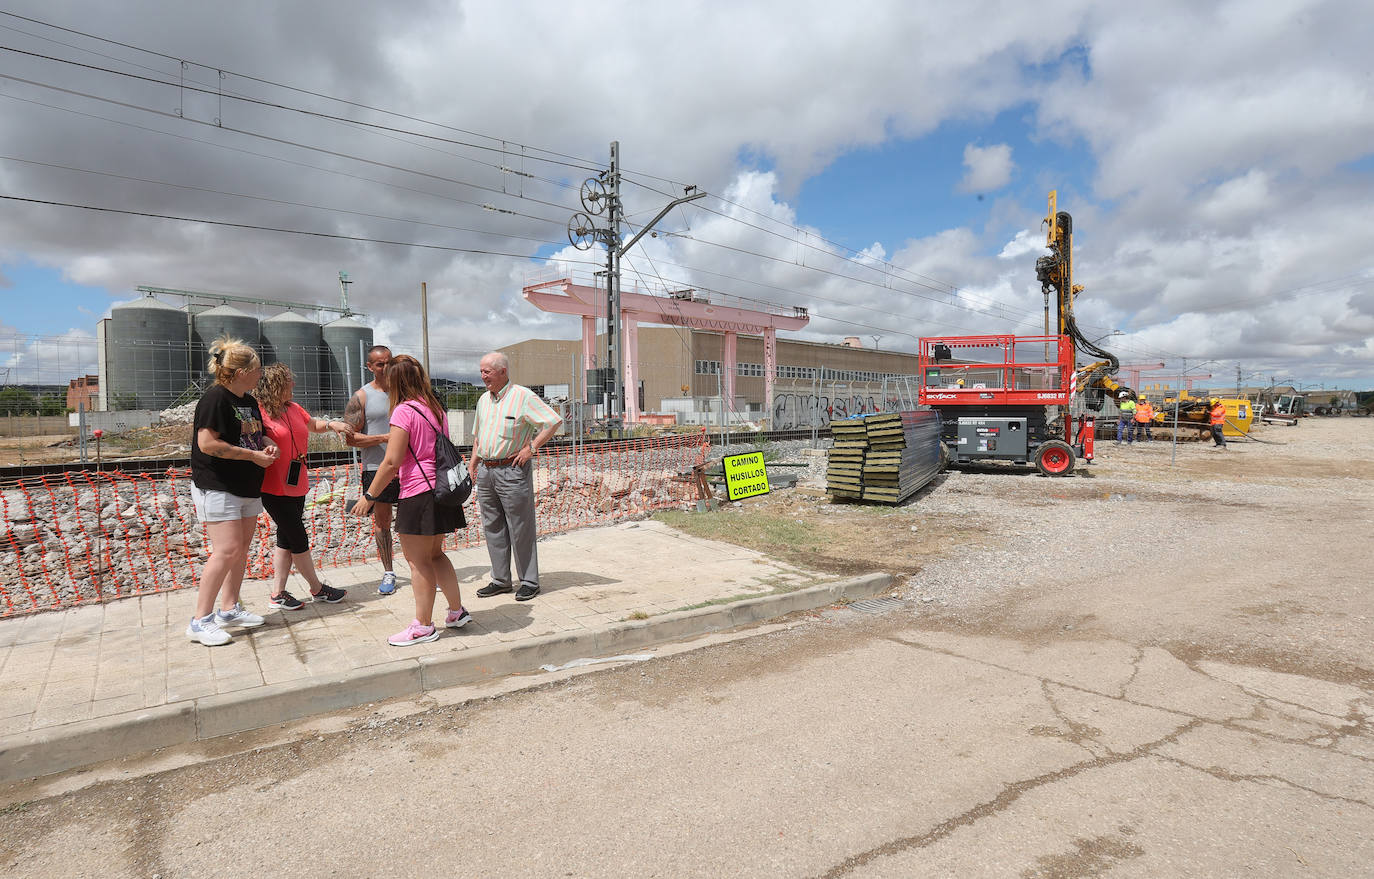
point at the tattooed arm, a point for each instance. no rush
(355, 418)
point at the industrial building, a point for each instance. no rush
(153, 355)
(681, 378)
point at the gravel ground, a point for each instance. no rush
(1156, 502)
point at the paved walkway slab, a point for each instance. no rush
(125, 672)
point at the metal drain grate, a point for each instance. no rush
(878, 605)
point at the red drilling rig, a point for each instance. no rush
(1006, 397)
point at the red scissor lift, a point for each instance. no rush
(1006, 398)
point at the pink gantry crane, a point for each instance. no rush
(680, 308)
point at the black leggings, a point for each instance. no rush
(289, 514)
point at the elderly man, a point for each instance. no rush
(512, 425)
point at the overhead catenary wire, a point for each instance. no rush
(284, 202)
(282, 141)
(1009, 311)
(265, 228)
(576, 162)
(849, 254)
(920, 280)
(385, 130)
(272, 158)
(506, 145)
(840, 275)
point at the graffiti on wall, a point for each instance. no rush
(794, 411)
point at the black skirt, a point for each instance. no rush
(420, 515)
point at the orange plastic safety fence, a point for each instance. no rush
(86, 537)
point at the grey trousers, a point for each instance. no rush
(505, 495)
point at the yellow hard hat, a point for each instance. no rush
(1215, 401)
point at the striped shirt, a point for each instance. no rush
(508, 420)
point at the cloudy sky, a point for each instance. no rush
(884, 163)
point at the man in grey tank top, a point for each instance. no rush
(369, 414)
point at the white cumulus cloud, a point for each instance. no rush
(988, 168)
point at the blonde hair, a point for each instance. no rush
(271, 389)
(229, 357)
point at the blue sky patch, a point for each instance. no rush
(37, 300)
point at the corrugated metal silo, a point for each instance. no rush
(148, 355)
(294, 340)
(343, 365)
(222, 320)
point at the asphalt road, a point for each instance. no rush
(843, 745)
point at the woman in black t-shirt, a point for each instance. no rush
(230, 452)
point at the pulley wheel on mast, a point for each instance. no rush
(594, 196)
(581, 232)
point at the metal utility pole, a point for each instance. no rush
(601, 194)
(424, 324)
(615, 401)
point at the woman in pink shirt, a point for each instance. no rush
(286, 483)
(416, 415)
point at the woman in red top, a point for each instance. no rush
(286, 483)
(416, 415)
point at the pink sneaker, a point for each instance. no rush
(456, 619)
(415, 633)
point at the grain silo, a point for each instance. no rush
(294, 340)
(147, 349)
(209, 325)
(346, 342)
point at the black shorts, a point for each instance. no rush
(390, 495)
(420, 515)
(289, 514)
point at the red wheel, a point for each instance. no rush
(1054, 458)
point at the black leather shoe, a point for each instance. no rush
(526, 592)
(491, 589)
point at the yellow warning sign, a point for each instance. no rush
(745, 475)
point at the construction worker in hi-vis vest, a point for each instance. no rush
(1124, 424)
(1144, 414)
(1218, 415)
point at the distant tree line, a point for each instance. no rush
(456, 394)
(17, 401)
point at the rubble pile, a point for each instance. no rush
(182, 414)
(89, 543)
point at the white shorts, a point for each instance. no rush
(221, 506)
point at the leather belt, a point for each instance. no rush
(499, 462)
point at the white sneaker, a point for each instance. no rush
(238, 617)
(207, 631)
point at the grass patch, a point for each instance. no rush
(835, 539)
(15, 808)
(766, 532)
(638, 615)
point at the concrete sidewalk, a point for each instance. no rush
(96, 682)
